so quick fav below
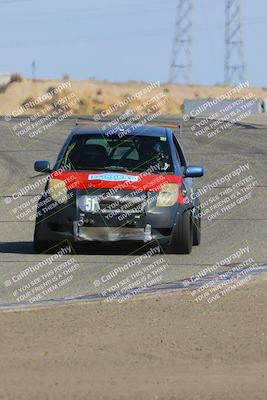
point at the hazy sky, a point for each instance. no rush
(122, 39)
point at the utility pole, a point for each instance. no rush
(181, 60)
(234, 68)
(33, 70)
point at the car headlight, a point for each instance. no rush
(168, 195)
(57, 189)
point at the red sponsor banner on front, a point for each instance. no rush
(111, 180)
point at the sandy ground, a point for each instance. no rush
(96, 95)
(164, 346)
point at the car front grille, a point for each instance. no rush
(123, 204)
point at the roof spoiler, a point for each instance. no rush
(84, 120)
(174, 125)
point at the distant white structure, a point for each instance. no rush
(4, 79)
(216, 108)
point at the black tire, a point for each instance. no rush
(182, 235)
(197, 229)
(40, 246)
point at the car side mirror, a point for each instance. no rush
(194, 171)
(42, 166)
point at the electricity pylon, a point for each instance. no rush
(181, 61)
(234, 68)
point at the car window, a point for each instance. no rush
(179, 152)
(135, 153)
(128, 152)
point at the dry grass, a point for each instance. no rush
(96, 96)
(16, 78)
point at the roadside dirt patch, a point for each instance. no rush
(164, 346)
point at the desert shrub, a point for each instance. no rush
(50, 89)
(16, 78)
(66, 77)
(28, 101)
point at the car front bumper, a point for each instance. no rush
(71, 223)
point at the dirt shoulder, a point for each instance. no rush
(164, 346)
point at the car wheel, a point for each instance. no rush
(182, 235)
(197, 228)
(40, 246)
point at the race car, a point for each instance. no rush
(126, 184)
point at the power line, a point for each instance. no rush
(122, 36)
(68, 14)
(13, 1)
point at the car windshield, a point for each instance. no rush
(102, 152)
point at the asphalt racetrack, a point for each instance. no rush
(236, 178)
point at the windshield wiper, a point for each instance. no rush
(87, 169)
(117, 168)
(101, 169)
(157, 171)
